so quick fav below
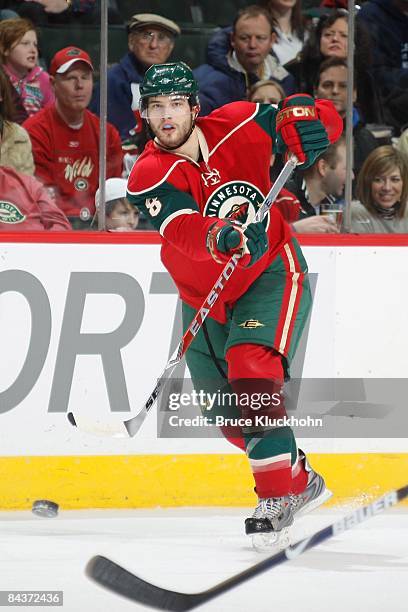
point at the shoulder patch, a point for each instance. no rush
(151, 170)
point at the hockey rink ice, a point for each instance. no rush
(191, 550)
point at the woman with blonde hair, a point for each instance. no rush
(266, 92)
(19, 60)
(382, 189)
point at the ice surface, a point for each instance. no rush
(193, 549)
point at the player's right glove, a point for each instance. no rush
(306, 127)
(225, 238)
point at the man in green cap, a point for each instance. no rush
(200, 183)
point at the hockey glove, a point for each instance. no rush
(256, 242)
(225, 238)
(306, 127)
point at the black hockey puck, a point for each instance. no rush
(71, 419)
(45, 508)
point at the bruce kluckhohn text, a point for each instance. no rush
(255, 421)
(258, 408)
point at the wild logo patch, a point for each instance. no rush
(9, 213)
(81, 184)
(237, 200)
(74, 52)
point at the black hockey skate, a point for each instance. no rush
(269, 524)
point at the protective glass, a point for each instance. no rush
(169, 106)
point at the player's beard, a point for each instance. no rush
(176, 137)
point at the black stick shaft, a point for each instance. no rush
(121, 581)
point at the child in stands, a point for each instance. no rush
(19, 59)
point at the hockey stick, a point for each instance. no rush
(131, 426)
(116, 578)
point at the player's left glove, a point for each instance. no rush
(225, 238)
(306, 127)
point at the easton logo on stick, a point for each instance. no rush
(213, 296)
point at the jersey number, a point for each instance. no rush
(153, 205)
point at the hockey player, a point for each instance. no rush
(194, 181)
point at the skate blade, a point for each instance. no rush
(314, 503)
(271, 542)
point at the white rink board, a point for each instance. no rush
(356, 330)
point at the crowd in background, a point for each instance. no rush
(49, 113)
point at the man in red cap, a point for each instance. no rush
(65, 139)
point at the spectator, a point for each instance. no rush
(15, 148)
(65, 138)
(310, 190)
(266, 92)
(387, 21)
(151, 40)
(19, 57)
(25, 203)
(289, 27)
(331, 85)
(382, 189)
(238, 58)
(120, 215)
(329, 39)
(18, 112)
(49, 12)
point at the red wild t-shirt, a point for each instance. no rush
(67, 159)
